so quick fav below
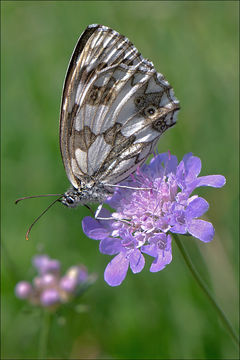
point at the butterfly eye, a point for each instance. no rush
(69, 200)
(150, 110)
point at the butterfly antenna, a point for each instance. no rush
(36, 196)
(30, 227)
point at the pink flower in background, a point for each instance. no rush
(49, 288)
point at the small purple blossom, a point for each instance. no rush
(68, 284)
(50, 297)
(44, 264)
(74, 276)
(49, 289)
(48, 280)
(144, 218)
(23, 290)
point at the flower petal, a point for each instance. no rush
(158, 160)
(196, 208)
(171, 164)
(193, 166)
(110, 246)
(155, 167)
(137, 261)
(179, 229)
(180, 174)
(201, 229)
(216, 181)
(164, 258)
(150, 250)
(116, 270)
(186, 157)
(105, 213)
(115, 199)
(94, 229)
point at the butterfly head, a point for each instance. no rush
(72, 198)
(91, 192)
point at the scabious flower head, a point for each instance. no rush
(49, 289)
(158, 201)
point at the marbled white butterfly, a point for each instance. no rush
(115, 106)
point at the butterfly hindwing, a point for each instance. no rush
(115, 106)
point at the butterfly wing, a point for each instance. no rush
(115, 106)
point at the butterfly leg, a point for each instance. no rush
(127, 187)
(109, 218)
(98, 211)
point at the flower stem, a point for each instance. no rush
(206, 291)
(43, 336)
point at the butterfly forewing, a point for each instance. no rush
(115, 106)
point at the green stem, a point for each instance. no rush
(206, 291)
(43, 336)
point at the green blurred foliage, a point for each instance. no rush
(158, 316)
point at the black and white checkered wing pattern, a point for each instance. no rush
(115, 106)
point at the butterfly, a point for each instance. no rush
(115, 106)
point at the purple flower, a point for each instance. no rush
(49, 280)
(68, 284)
(50, 297)
(44, 264)
(23, 290)
(145, 217)
(48, 288)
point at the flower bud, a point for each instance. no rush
(68, 283)
(44, 264)
(23, 290)
(49, 297)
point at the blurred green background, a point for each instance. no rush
(158, 316)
